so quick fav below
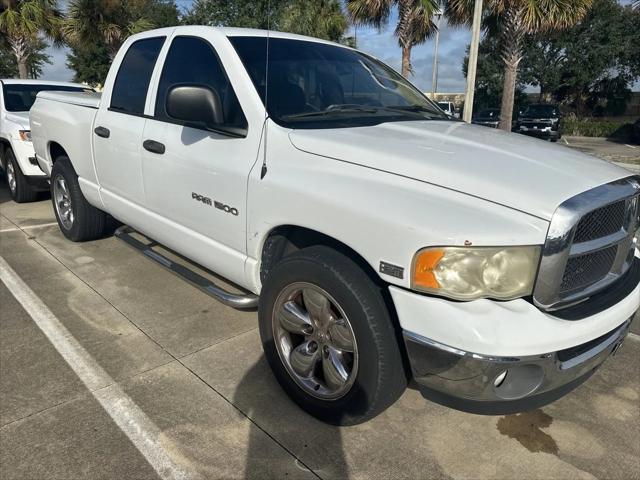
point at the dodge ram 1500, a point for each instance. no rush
(378, 238)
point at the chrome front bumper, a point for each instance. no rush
(478, 384)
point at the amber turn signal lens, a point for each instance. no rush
(426, 262)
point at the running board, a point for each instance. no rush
(239, 301)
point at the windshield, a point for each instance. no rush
(20, 97)
(316, 85)
(540, 111)
(444, 105)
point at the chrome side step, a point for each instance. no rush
(239, 301)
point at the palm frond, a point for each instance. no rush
(370, 12)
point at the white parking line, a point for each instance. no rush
(30, 227)
(142, 432)
(565, 141)
(630, 146)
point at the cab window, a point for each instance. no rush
(191, 60)
(132, 82)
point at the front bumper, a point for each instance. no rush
(490, 124)
(503, 385)
(542, 131)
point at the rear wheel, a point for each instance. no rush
(19, 188)
(329, 338)
(78, 220)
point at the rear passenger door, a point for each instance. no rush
(199, 182)
(118, 127)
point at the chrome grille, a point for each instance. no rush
(601, 222)
(589, 244)
(587, 269)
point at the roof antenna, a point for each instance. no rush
(263, 172)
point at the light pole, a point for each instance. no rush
(434, 78)
(473, 61)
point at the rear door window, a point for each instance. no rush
(132, 82)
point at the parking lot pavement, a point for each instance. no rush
(623, 154)
(163, 382)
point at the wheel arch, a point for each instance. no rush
(4, 144)
(56, 150)
(283, 240)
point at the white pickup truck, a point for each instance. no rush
(378, 238)
(24, 177)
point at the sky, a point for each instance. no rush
(379, 43)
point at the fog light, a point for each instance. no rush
(500, 378)
(523, 380)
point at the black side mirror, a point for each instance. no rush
(195, 104)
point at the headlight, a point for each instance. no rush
(25, 135)
(467, 273)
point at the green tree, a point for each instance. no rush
(109, 21)
(91, 54)
(315, 18)
(514, 21)
(319, 18)
(590, 64)
(21, 24)
(90, 63)
(415, 21)
(8, 67)
(235, 13)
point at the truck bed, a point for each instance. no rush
(84, 99)
(65, 119)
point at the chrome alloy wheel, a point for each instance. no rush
(315, 341)
(11, 176)
(62, 201)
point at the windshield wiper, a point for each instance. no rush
(418, 109)
(335, 110)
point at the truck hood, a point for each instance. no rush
(19, 118)
(519, 172)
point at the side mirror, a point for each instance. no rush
(195, 104)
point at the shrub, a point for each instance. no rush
(588, 127)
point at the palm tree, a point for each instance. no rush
(512, 20)
(415, 21)
(23, 21)
(317, 18)
(112, 21)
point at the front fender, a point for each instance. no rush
(382, 216)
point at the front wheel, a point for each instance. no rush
(329, 338)
(78, 219)
(19, 188)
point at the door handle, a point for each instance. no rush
(153, 146)
(102, 132)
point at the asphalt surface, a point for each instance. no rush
(113, 368)
(624, 154)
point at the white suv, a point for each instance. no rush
(24, 176)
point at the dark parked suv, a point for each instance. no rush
(540, 120)
(489, 117)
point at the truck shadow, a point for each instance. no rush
(311, 444)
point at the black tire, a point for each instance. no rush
(88, 222)
(381, 376)
(22, 192)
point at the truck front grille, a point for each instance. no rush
(587, 269)
(601, 222)
(589, 245)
